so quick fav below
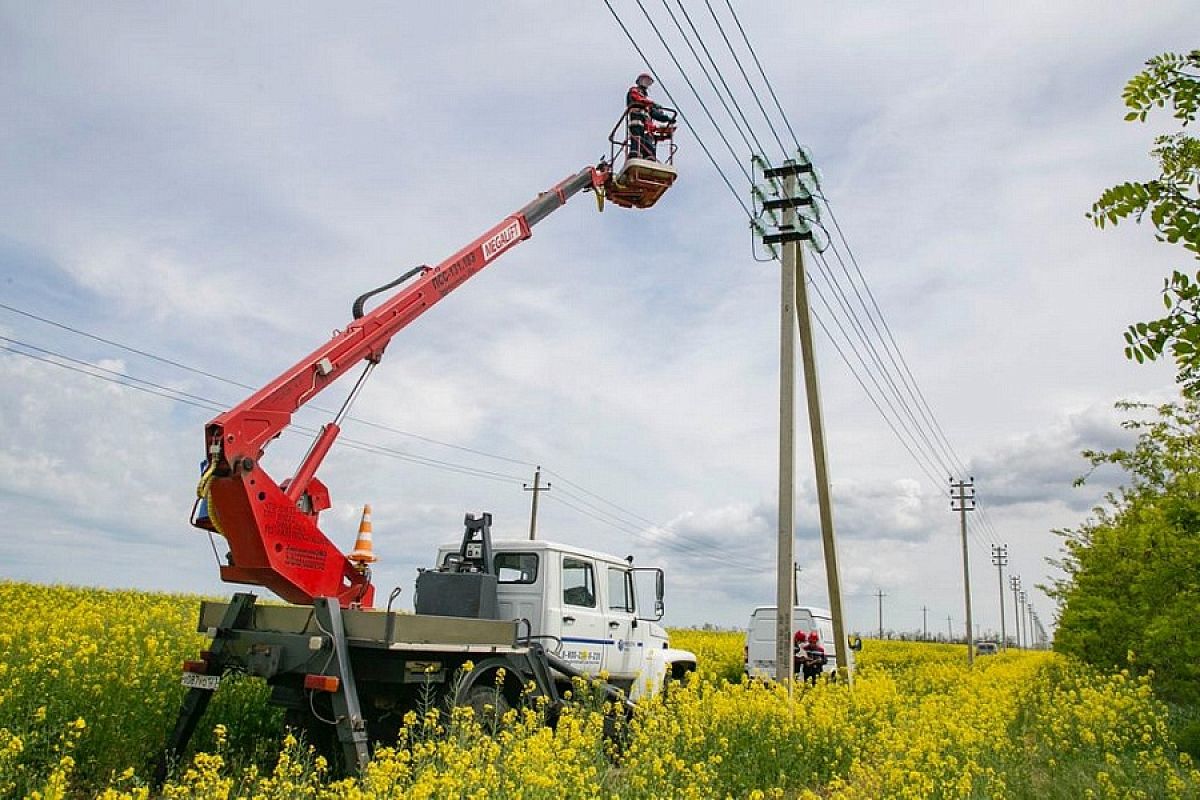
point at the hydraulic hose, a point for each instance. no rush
(363, 298)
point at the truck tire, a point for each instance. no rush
(320, 735)
(488, 704)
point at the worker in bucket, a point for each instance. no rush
(643, 114)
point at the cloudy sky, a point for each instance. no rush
(192, 195)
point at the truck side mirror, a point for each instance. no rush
(659, 588)
(855, 643)
(642, 579)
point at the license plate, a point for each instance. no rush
(195, 681)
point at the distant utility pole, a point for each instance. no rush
(1025, 625)
(799, 191)
(1029, 621)
(924, 623)
(949, 629)
(795, 582)
(1014, 583)
(537, 489)
(1000, 559)
(962, 500)
(879, 594)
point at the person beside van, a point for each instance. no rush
(814, 658)
(799, 654)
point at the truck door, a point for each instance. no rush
(520, 585)
(584, 626)
(624, 658)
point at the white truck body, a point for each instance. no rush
(760, 637)
(588, 609)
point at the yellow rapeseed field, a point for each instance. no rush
(89, 688)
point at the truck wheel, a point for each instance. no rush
(680, 671)
(321, 736)
(488, 703)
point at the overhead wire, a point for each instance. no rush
(763, 73)
(210, 405)
(699, 100)
(675, 539)
(943, 451)
(666, 537)
(746, 134)
(230, 382)
(701, 553)
(683, 117)
(679, 67)
(741, 69)
(913, 426)
(923, 404)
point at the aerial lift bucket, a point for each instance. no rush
(640, 181)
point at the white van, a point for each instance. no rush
(760, 638)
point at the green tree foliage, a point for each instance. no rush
(1172, 201)
(1131, 594)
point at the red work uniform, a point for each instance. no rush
(643, 113)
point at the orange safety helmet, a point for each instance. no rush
(644, 80)
(813, 637)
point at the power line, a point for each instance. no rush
(230, 382)
(682, 116)
(733, 98)
(937, 442)
(741, 69)
(706, 555)
(691, 86)
(758, 64)
(850, 314)
(677, 541)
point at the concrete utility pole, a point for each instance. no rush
(1025, 619)
(1029, 623)
(1024, 623)
(784, 601)
(924, 623)
(537, 489)
(880, 595)
(962, 500)
(799, 188)
(1000, 559)
(1014, 583)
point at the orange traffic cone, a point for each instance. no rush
(363, 551)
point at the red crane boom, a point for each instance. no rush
(271, 527)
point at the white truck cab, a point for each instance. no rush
(760, 638)
(595, 611)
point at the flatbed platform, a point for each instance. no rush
(379, 629)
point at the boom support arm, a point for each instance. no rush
(271, 527)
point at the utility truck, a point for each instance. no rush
(492, 626)
(599, 612)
